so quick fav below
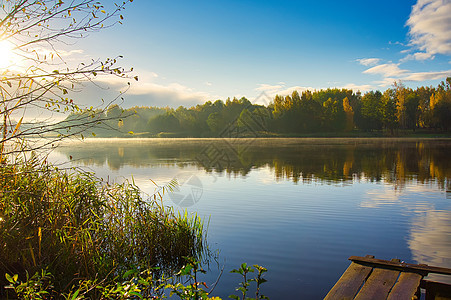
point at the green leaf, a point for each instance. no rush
(261, 280)
(9, 278)
(128, 273)
(137, 294)
(186, 270)
(75, 295)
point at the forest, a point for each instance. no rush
(331, 110)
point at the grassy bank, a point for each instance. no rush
(78, 228)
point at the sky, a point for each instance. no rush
(189, 52)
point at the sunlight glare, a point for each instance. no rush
(5, 55)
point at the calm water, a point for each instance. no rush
(299, 207)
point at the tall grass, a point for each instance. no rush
(79, 228)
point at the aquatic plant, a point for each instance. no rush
(244, 270)
(78, 227)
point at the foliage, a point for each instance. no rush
(244, 270)
(323, 111)
(194, 289)
(36, 287)
(134, 284)
(77, 226)
(41, 81)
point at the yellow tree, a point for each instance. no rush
(349, 114)
(400, 102)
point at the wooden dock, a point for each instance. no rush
(370, 278)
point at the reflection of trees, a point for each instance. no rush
(299, 160)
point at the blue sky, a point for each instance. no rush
(188, 52)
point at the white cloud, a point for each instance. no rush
(391, 73)
(180, 91)
(357, 87)
(369, 61)
(387, 81)
(149, 92)
(422, 76)
(268, 88)
(418, 56)
(386, 70)
(280, 89)
(430, 27)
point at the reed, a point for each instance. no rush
(77, 227)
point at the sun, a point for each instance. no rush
(6, 55)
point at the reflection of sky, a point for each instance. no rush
(303, 233)
(429, 238)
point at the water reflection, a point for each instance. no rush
(430, 240)
(299, 160)
(429, 237)
(390, 202)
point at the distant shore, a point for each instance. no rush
(352, 134)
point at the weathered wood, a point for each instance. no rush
(370, 278)
(436, 290)
(349, 283)
(378, 285)
(401, 266)
(406, 286)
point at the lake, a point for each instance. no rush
(299, 207)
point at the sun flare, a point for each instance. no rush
(6, 55)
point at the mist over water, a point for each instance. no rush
(299, 207)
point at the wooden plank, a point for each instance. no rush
(406, 286)
(401, 266)
(349, 283)
(378, 285)
(436, 290)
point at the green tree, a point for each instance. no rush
(334, 115)
(215, 122)
(412, 110)
(441, 105)
(164, 123)
(389, 110)
(371, 111)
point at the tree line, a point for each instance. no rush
(319, 111)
